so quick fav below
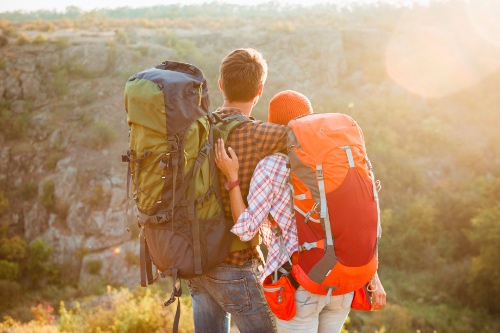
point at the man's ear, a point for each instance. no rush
(261, 89)
(220, 84)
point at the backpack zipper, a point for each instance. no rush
(280, 289)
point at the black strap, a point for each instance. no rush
(176, 292)
(195, 229)
(126, 158)
(294, 282)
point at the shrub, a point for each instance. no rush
(9, 270)
(112, 53)
(94, 267)
(13, 248)
(99, 136)
(97, 199)
(121, 36)
(14, 326)
(43, 314)
(4, 203)
(62, 43)
(7, 289)
(53, 158)
(47, 195)
(393, 319)
(132, 258)
(125, 311)
(40, 39)
(3, 41)
(14, 126)
(22, 39)
(28, 191)
(59, 83)
(38, 268)
(485, 270)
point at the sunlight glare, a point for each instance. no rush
(434, 54)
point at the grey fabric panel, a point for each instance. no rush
(304, 173)
(292, 140)
(320, 270)
(180, 84)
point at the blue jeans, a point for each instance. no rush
(227, 291)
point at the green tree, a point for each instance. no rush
(39, 269)
(4, 203)
(485, 273)
(13, 248)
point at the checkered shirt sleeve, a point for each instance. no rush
(269, 195)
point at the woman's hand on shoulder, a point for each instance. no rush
(228, 165)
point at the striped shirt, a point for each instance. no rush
(251, 142)
(269, 195)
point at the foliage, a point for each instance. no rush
(393, 319)
(121, 36)
(4, 203)
(39, 270)
(40, 39)
(22, 39)
(132, 258)
(62, 43)
(94, 266)
(14, 125)
(97, 199)
(9, 270)
(123, 310)
(59, 82)
(47, 195)
(7, 289)
(53, 158)
(99, 136)
(3, 41)
(485, 236)
(12, 248)
(43, 314)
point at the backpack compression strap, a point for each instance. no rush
(176, 292)
(325, 264)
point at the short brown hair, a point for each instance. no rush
(242, 72)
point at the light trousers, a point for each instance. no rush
(314, 315)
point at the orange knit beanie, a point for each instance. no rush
(286, 105)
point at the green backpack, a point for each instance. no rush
(172, 173)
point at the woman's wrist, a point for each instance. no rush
(232, 178)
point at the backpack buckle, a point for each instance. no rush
(165, 162)
(173, 143)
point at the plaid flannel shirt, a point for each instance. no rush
(270, 195)
(251, 142)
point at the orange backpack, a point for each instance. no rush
(335, 202)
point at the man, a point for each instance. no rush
(269, 195)
(232, 288)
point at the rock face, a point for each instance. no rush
(75, 196)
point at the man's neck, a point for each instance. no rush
(244, 107)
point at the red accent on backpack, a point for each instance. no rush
(337, 242)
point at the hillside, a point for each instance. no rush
(424, 95)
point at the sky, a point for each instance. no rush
(60, 5)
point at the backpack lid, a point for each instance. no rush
(185, 92)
